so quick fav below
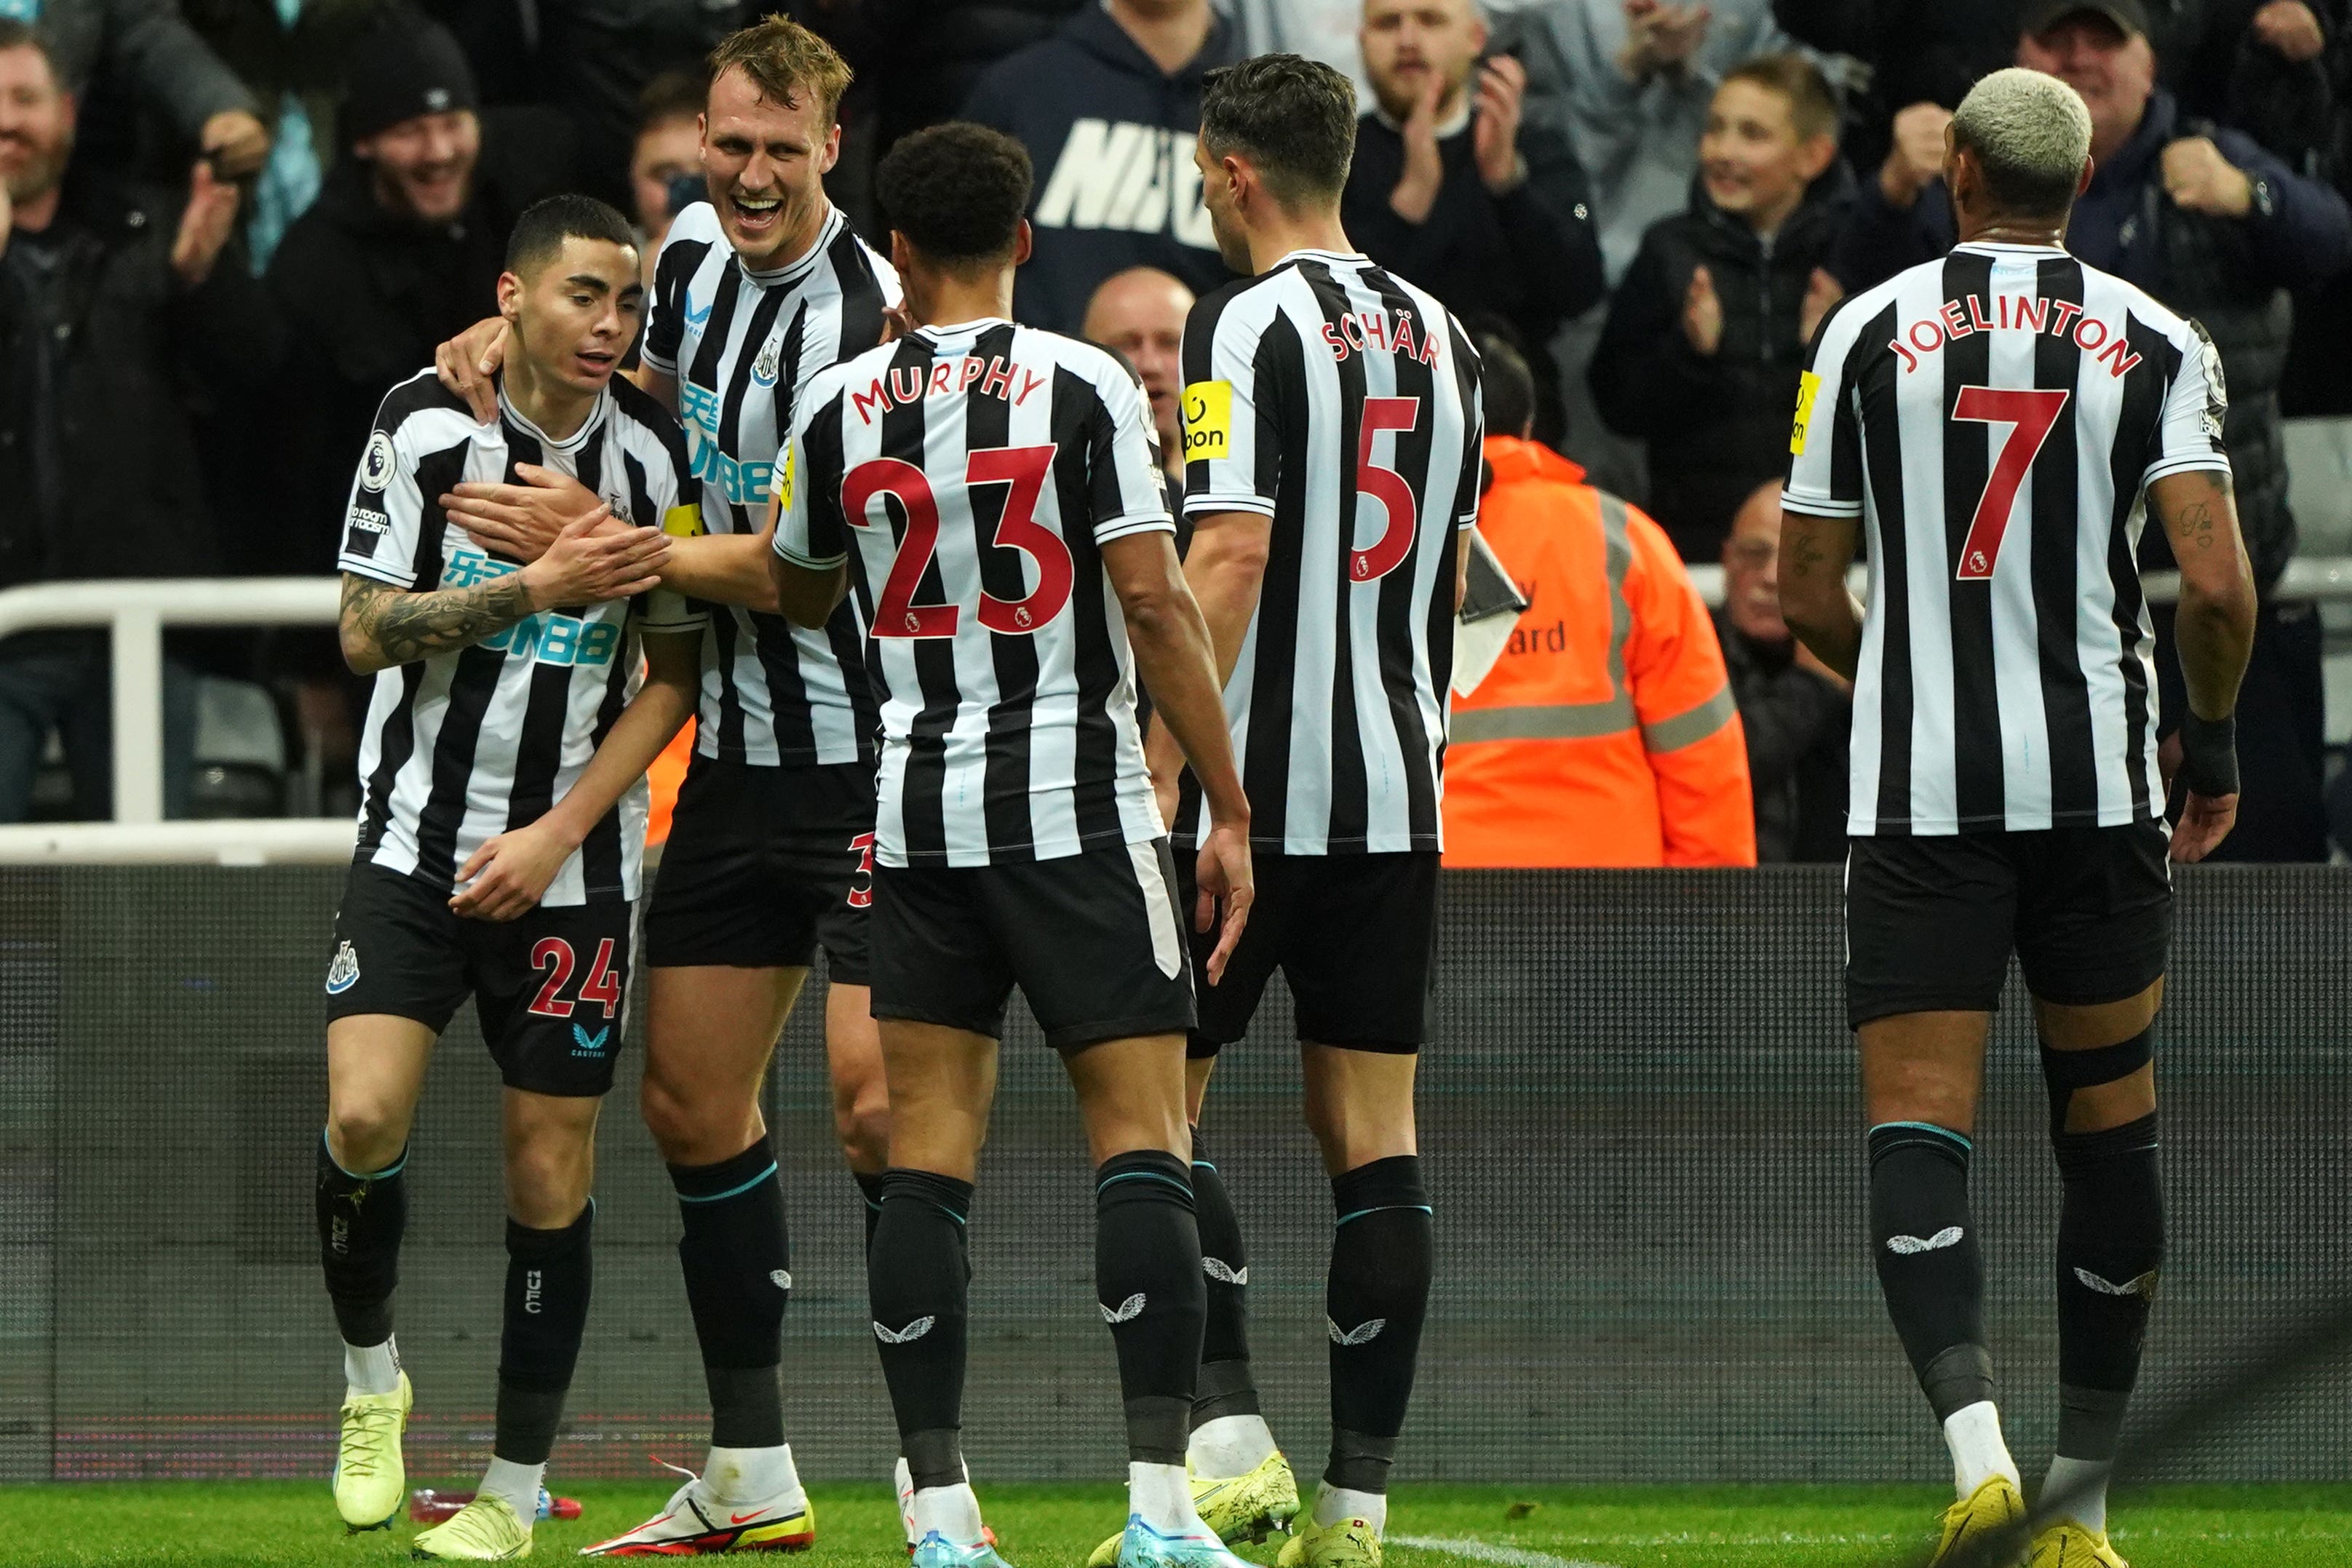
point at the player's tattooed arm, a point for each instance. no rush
(1815, 600)
(383, 624)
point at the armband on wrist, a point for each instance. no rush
(2208, 754)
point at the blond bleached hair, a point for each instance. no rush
(2031, 134)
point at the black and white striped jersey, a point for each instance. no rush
(462, 747)
(742, 344)
(1341, 402)
(1994, 419)
(972, 473)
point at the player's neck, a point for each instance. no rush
(943, 300)
(797, 244)
(2004, 229)
(557, 410)
(1283, 233)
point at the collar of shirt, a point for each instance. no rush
(1451, 126)
(939, 336)
(1308, 253)
(801, 266)
(575, 441)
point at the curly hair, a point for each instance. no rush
(783, 60)
(956, 191)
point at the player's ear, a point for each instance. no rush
(832, 154)
(1022, 243)
(901, 254)
(510, 288)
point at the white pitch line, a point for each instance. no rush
(1483, 1551)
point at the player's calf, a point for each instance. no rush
(1375, 1298)
(2110, 1253)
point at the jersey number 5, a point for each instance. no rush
(2030, 415)
(1024, 471)
(1385, 486)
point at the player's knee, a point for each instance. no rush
(548, 1180)
(2101, 1088)
(694, 1124)
(364, 1134)
(861, 1121)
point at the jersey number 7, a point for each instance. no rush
(2030, 415)
(1024, 470)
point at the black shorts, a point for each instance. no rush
(762, 865)
(1355, 935)
(547, 987)
(1930, 922)
(1094, 940)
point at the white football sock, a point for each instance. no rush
(2084, 1483)
(1229, 1445)
(371, 1368)
(953, 1511)
(752, 1475)
(518, 1484)
(1162, 1496)
(1333, 1504)
(1978, 1454)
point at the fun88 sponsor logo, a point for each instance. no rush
(549, 638)
(745, 483)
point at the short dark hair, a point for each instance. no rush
(1506, 388)
(1813, 102)
(1292, 116)
(671, 95)
(783, 60)
(545, 225)
(956, 191)
(16, 35)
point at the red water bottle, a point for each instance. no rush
(427, 1506)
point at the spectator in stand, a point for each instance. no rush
(2218, 229)
(1606, 734)
(1323, 30)
(117, 317)
(668, 149)
(1451, 189)
(399, 252)
(1707, 332)
(1109, 109)
(132, 55)
(1795, 712)
(1141, 312)
(290, 54)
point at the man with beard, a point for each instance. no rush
(113, 319)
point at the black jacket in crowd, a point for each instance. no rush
(104, 366)
(1796, 723)
(1529, 259)
(1110, 136)
(1717, 425)
(367, 295)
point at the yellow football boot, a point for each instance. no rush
(1238, 1508)
(370, 1481)
(2067, 1545)
(1994, 1506)
(1343, 1543)
(485, 1530)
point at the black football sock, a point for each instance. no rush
(1225, 1386)
(1375, 1299)
(2110, 1248)
(870, 1190)
(917, 1279)
(1148, 1284)
(736, 1258)
(548, 1278)
(361, 1219)
(1930, 1267)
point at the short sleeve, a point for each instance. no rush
(381, 524)
(809, 528)
(1232, 444)
(1825, 433)
(1126, 491)
(1473, 434)
(674, 268)
(2196, 407)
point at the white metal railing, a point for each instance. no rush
(137, 611)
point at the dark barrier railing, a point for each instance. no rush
(1640, 1121)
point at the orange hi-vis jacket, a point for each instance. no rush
(1606, 734)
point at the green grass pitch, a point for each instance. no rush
(194, 1524)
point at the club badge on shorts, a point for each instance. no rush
(344, 972)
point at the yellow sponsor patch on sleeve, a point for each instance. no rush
(683, 522)
(1808, 386)
(1208, 420)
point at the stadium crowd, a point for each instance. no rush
(230, 225)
